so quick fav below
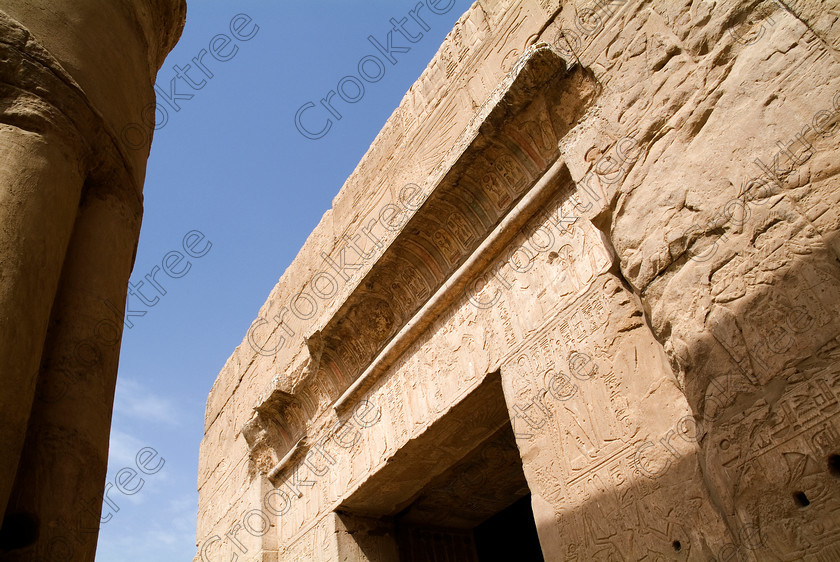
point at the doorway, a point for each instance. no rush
(479, 510)
(454, 492)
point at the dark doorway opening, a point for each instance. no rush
(455, 492)
(511, 534)
(479, 510)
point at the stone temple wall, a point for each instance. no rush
(591, 260)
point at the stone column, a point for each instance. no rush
(70, 210)
(65, 457)
(41, 183)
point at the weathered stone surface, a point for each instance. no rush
(608, 229)
(71, 75)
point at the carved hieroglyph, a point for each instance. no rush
(620, 220)
(72, 74)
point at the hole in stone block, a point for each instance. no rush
(19, 531)
(834, 465)
(677, 546)
(801, 500)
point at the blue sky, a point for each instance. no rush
(231, 165)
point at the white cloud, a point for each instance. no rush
(123, 450)
(134, 401)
